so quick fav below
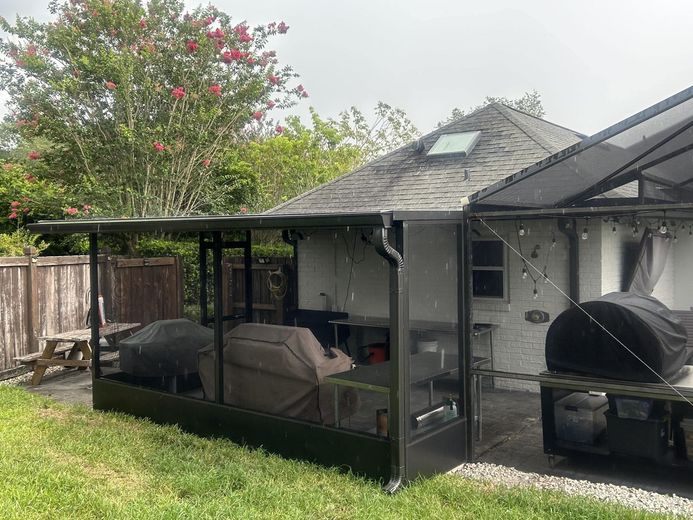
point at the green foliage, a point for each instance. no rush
(13, 244)
(60, 461)
(529, 103)
(278, 168)
(137, 102)
(389, 129)
(188, 251)
(25, 197)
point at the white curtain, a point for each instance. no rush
(652, 258)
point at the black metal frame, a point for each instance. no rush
(394, 460)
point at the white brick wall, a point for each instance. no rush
(518, 344)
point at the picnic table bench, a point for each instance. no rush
(75, 341)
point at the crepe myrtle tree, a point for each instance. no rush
(137, 100)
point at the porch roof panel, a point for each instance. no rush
(204, 223)
(654, 146)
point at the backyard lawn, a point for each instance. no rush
(60, 461)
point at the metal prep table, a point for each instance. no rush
(426, 367)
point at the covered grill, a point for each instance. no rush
(164, 348)
(279, 370)
(575, 343)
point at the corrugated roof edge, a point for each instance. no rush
(440, 131)
(603, 135)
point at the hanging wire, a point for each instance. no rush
(594, 320)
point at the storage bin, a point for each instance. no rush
(627, 407)
(580, 418)
(647, 438)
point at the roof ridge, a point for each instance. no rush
(539, 140)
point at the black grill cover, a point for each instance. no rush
(575, 343)
(164, 348)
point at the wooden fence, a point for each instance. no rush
(47, 295)
(269, 306)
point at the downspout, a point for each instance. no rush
(569, 228)
(399, 356)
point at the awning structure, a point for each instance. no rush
(645, 159)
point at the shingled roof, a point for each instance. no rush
(409, 180)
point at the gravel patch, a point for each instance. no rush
(626, 496)
(25, 379)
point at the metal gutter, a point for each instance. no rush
(576, 212)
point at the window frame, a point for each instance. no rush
(503, 269)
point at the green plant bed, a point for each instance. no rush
(61, 461)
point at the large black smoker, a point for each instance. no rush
(406, 452)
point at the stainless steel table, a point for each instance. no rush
(426, 367)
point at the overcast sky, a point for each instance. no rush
(593, 62)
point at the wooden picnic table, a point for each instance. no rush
(76, 341)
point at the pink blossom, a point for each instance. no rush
(217, 33)
(143, 23)
(19, 63)
(26, 210)
(206, 163)
(12, 216)
(244, 210)
(191, 45)
(215, 89)
(250, 60)
(86, 208)
(14, 204)
(241, 29)
(71, 211)
(270, 104)
(300, 88)
(220, 44)
(232, 55)
(158, 146)
(304, 93)
(274, 80)
(110, 85)
(34, 155)
(257, 115)
(279, 129)
(282, 28)
(29, 178)
(208, 21)
(31, 50)
(178, 92)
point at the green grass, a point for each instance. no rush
(59, 461)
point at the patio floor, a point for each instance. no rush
(512, 436)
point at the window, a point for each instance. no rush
(489, 277)
(460, 143)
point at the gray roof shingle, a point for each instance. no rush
(406, 180)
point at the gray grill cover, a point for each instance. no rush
(574, 343)
(164, 348)
(278, 370)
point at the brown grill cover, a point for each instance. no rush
(278, 370)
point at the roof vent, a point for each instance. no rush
(461, 144)
(418, 146)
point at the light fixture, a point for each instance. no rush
(613, 229)
(522, 231)
(635, 229)
(585, 233)
(546, 276)
(553, 242)
(663, 228)
(524, 273)
(536, 294)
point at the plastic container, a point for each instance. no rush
(427, 345)
(633, 407)
(687, 427)
(648, 438)
(579, 417)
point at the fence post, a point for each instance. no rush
(32, 311)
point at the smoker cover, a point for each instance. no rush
(164, 348)
(279, 370)
(575, 343)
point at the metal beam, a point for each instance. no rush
(464, 329)
(218, 323)
(204, 318)
(94, 304)
(248, 274)
(575, 212)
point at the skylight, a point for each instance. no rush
(461, 143)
